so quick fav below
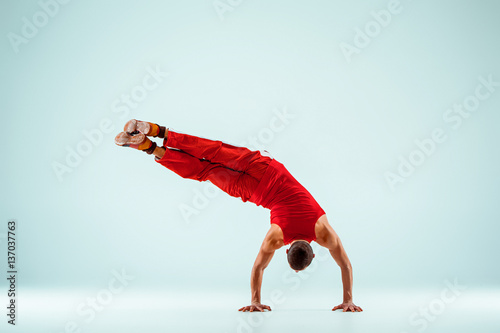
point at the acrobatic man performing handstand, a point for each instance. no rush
(296, 218)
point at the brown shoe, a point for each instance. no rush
(137, 141)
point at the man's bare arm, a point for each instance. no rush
(328, 238)
(263, 259)
(340, 256)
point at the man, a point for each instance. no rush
(296, 218)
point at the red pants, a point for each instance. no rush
(235, 170)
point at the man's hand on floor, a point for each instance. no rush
(255, 307)
(349, 306)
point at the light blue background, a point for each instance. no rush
(226, 78)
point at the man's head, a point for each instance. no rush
(299, 255)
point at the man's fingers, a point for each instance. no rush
(253, 308)
(348, 308)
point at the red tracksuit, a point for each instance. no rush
(248, 175)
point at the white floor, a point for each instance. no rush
(397, 311)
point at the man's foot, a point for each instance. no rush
(138, 141)
(133, 126)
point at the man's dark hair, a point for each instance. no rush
(300, 255)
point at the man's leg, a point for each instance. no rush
(235, 170)
(234, 183)
(215, 151)
(233, 157)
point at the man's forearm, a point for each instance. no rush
(256, 284)
(347, 282)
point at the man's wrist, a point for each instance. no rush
(347, 297)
